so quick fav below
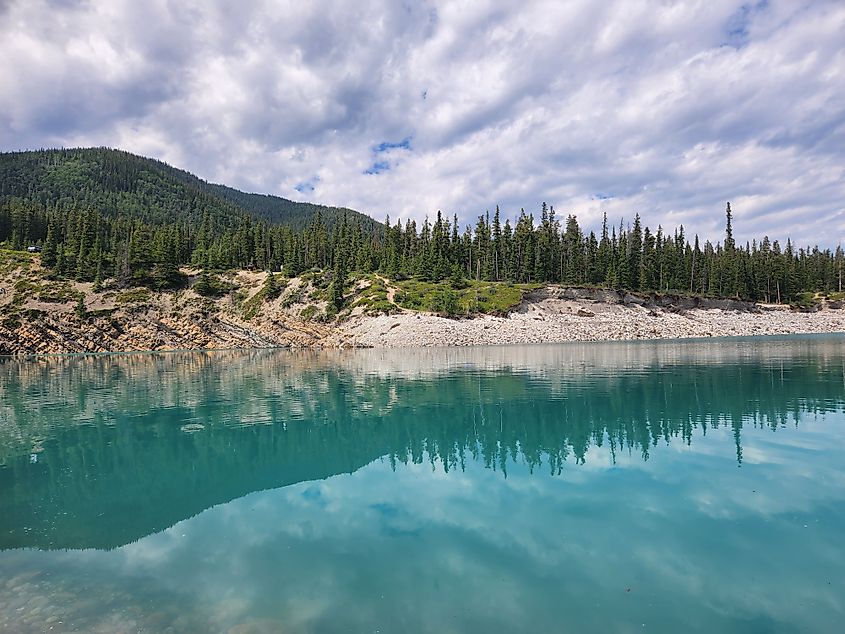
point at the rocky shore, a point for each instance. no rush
(71, 317)
(40, 316)
(555, 319)
(537, 320)
(150, 328)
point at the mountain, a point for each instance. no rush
(117, 183)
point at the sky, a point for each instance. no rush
(666, 109)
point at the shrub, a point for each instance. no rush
(60, 293)
(445, 302)
(274, 286)
(133, 296)
(212, 286)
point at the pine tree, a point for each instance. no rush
(497, 245)
(635, 247)
(729, 233)
(338, 282)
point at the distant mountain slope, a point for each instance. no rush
(114, 182)
(287, 212)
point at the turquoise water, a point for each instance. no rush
(643, 487)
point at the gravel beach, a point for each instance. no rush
(557, 320)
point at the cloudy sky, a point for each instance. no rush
(665, 108)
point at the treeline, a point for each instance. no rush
(88, 245)
(628, 257)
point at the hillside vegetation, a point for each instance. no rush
(116, 183)
(107, 217)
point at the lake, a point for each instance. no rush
(626, 487)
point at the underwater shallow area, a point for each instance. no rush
(653, 486)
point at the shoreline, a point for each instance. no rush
(543, 320)
(563, 321)
(481, 346)
(41, 316)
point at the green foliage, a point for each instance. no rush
(294, 298)
(133, 296)
(13, 260)
(296, 215)
(338, 283)
(23, 290)
(457, 280)
(494, 299)
(274, 286)
(58, 293)
(373, 299)
(445, 301)
(381, 307)
(497, 298)
(806, 301)
(10, 319)
(101, 214)
(114, 182)
(308, 312)
(210, 285)
(252, 306)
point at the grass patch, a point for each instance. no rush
(133, 296)
(24, 289)
(294, 298)
(11, 260)
(489, 298)
(318, 295)
(308, 313)
(101, 312)
(58, 293)
(373, 299)
(805, 301)
(208, 307)
(252, 306)
(381, 307)
(11, 320)
(274, 285)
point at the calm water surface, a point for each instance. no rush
(648, 487)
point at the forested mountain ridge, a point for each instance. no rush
(114, 183)
(276, 210)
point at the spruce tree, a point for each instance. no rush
(338, 283)
(635, 247)
(729, 233)
(48, 252)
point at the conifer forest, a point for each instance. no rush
(98, 213)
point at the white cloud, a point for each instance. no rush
(668, 109)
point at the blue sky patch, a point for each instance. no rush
(384, 146)
(737, 27)
(377, 168)
(306, 187)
